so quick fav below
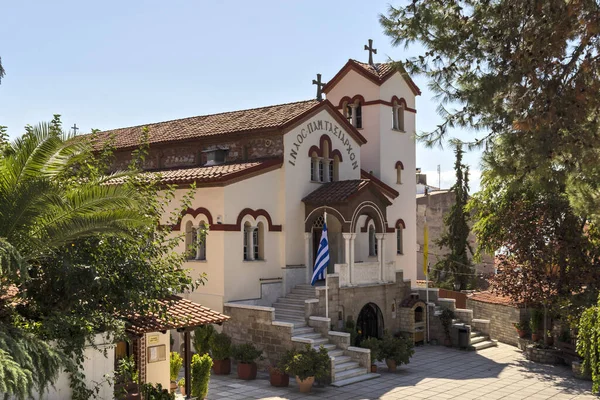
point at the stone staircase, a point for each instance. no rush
(290, 309)
(479, 341)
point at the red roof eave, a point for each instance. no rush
(387, 189)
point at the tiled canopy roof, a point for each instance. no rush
(255, 119)
(181, 313)
(492, 298)
(224, 173)
(335, 192)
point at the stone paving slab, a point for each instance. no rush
(435, 372)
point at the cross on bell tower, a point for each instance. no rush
(75, 128)
(319, 87)
(371, 51)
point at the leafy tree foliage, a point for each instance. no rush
(2, 71)
(81, 248)
(457, 262)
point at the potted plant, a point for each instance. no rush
(220, 346)
(534, 323)
(151, 392)
(246, 354)
(374, 345)
(522, 328)
(176, 362)
(549, 338)
(277, 375)
(127, 378)
(446, 317)
(201, 340)
(201, 365)
(181, 385)
(307, 365)
(395, 350)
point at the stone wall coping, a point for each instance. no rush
(285, 324)
(320, 288)
(359, 349)
(322, 319)
(340, 334)
(334, 275)
(480, 321)
(309, 301)
(431, 289)
(249, 307)
(407, 280)
(294, 267)
(445, 300)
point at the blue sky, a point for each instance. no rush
(111, 64)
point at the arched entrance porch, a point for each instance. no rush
(370, 322)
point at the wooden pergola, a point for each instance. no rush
(181, 314)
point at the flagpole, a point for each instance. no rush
(326, 283)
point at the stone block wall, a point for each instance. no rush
(501, 318)
(255, 324)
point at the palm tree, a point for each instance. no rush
(46, 202)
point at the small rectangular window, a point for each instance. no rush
(255, 242)
(358, 112)
(399, 241)
(401, 118)
(321, 171)
(331, 171)
(246, 254)
(394, 118)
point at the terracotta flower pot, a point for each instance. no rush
(373, 368)
(549, 340)
(521, 333)
(391, 364)
(305, 385)
(173, 386)
(222, 367)
(278, 378)
(535, 337)
(246, 372)
(182, 390)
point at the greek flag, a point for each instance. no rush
(322, 259)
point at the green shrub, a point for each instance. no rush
(201, 365)
(399, 349)
(522, 326)
(309, 362)
(181, 382)
(350, 327)
(150, 392)
(446, 318)
(535, 320)
(374, 345)
(588, 344)
(127, 371)
(202, 335)
(246, 353)
(220, 346)
(176, 362)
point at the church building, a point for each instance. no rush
(265, 177)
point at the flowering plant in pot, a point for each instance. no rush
(277, 375)
(175, 364)
(522, 328)
(246, 354)
(396, 350)
(201, 366)
(181, 384)
(307, 365)
(126, 378)
(374, 345)
(220, 345)
(534, 323)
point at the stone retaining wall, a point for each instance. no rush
(544, 356)
(501, 318)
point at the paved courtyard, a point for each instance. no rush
(435, 372)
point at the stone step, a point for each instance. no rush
(475, 334)
(305, 329)
(350, 373)
(307, 292)
(328, 346)
(297, 296)
(355, 379)
(337, 353)
(292, 320)
(309, 335)
(283, 314)
(341, 359)
(339, 367)
(291, 306)
(478, 339)
(285, 300)
(297, 324)
(320, 340)
(484, 345)
(304, 286)
(289, 311)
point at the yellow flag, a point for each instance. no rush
(425, 248)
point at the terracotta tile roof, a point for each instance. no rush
(262, 118)
(335, 192)
(223, 173)
(182, 313)
(378, 74)
(492, 298)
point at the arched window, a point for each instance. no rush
(195, 241)
(353, 113)
(399, 244)
(372, 242)
(190, 234)
(200, 241)
(399, 167)
(398, 115)
(314, 167)
(335, 167)
(321, 171)
(254, 241)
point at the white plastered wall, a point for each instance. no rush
(159, 371)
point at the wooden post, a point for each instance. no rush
(187, 363)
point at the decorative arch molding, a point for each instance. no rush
(320, 152)
(317, 212)
(400, 101)
(370, 209)
(400, 224)
(399, 165)
(352, 100)
(254, 214)
(365, 227)
(194, 213)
